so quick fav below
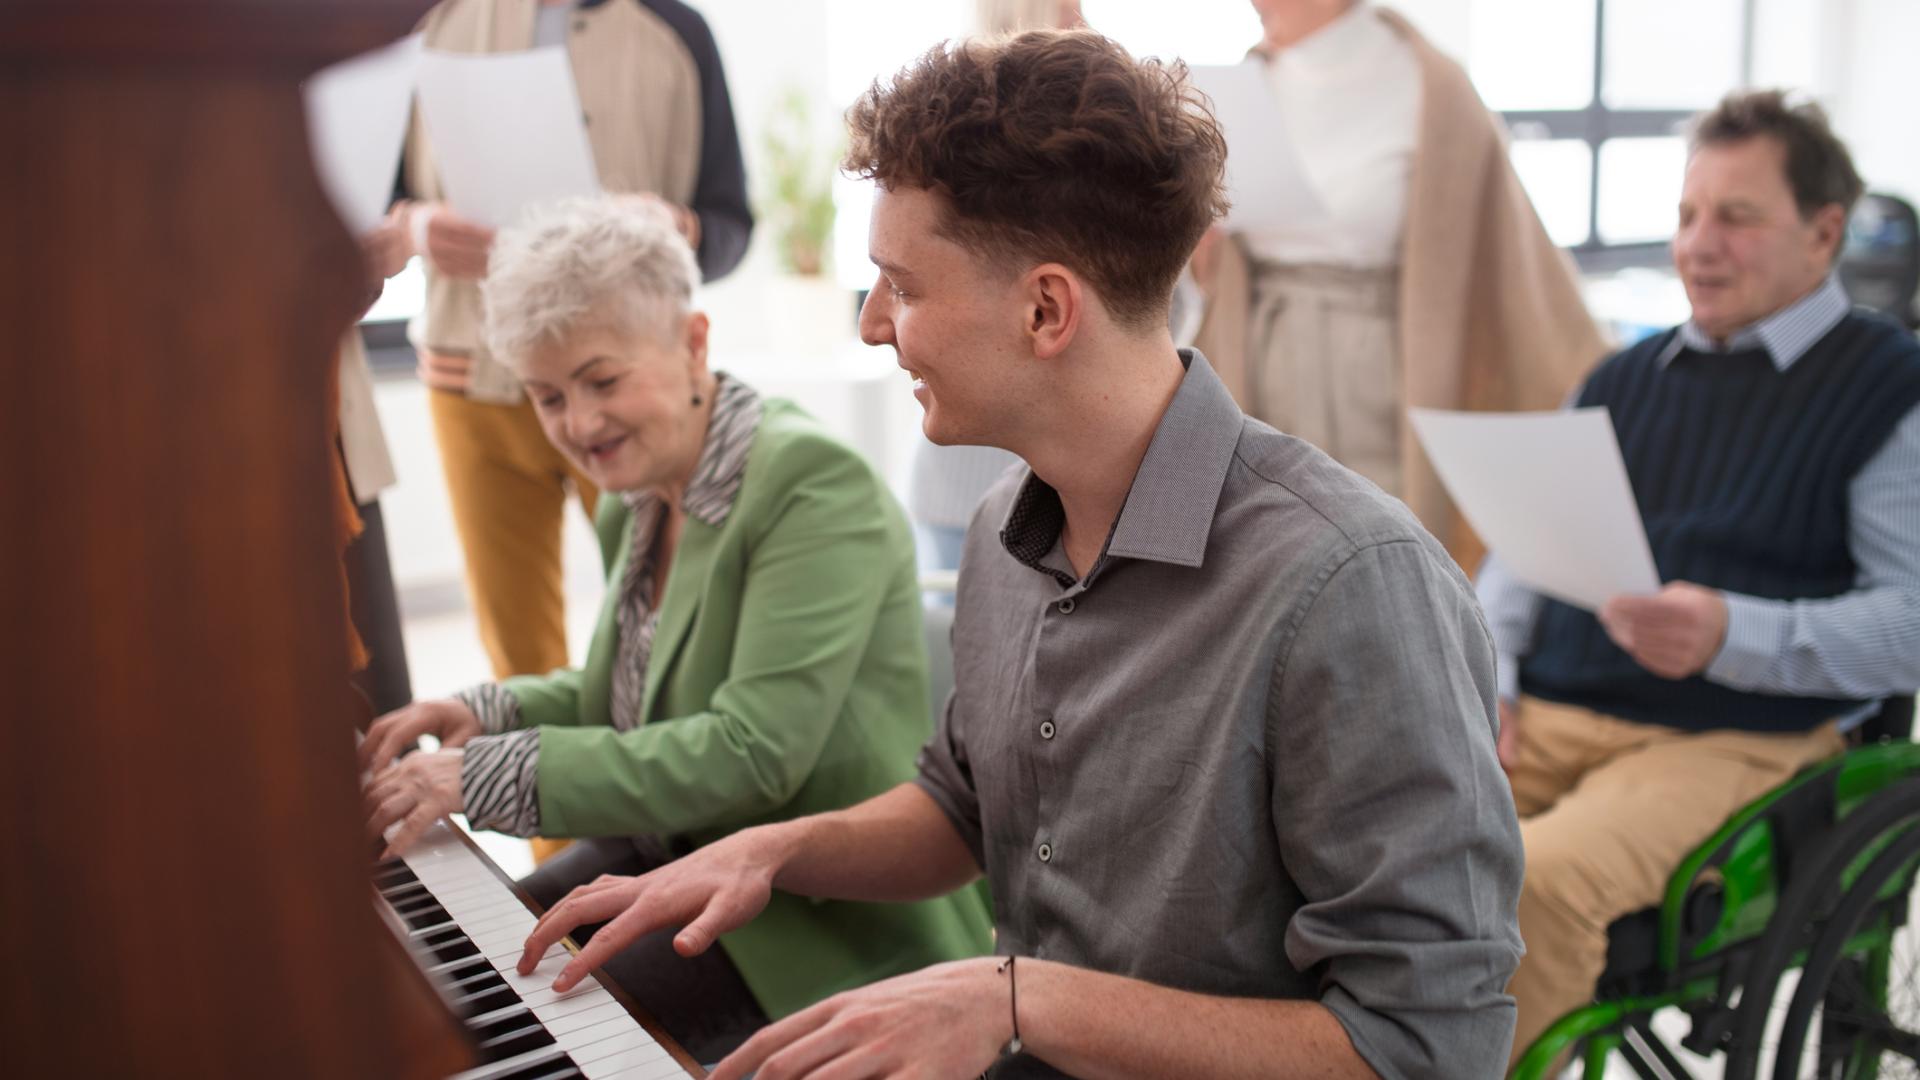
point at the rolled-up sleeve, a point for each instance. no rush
(1393, 817)
(947, 778)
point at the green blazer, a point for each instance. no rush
(788, 677)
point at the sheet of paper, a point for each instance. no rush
(1548, 493)
(356, 123)
(507, 131)
(1267, 184)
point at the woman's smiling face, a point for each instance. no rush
(619, 401)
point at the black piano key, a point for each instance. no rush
(510, 1036)
(394, 876)
(554, 1064)
(404, 904)
(424, 917)
(458, 947)
(487, 999)
(479, 978)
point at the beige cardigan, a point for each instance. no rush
(1490, 311)
(640, 90)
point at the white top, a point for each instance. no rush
(1350, 101)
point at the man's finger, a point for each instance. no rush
(753, 1054)
(698, 936)
(623, 931)
(563, 918)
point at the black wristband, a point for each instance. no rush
(1013, 1002)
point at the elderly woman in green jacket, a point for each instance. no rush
(758, 656)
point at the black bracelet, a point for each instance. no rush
(1013, 1002)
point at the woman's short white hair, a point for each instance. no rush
(612, 258)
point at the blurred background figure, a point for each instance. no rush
(659, 121)
(1424, 278)
(365, 470)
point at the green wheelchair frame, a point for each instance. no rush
(1812, 876)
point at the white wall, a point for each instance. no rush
(1877, 99)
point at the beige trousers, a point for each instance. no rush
(1608, 809)
(1323, 347)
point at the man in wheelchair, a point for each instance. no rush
(1773, 443)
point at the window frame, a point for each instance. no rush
(1597, 123)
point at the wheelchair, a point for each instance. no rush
(1776, 936)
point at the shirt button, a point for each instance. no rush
(1045, 852)
(1065, 606)
(1046, 729)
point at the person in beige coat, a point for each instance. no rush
(1425, 279)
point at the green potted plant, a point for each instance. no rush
(797, 186)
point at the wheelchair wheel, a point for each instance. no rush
(1809, 908)
(1856, 1012)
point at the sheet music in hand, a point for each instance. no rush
(507, 131)
(1548, 493)
(357, 114)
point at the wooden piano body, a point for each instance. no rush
(185, 889)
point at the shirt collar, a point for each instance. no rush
(1785, 335)
(723, 457)
(1168, 515)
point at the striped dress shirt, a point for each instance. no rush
(1864, 643)
(499, 773)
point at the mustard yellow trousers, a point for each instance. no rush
(509, 488)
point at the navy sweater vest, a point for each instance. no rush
(1742, 473)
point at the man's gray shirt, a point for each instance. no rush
(1250, 754)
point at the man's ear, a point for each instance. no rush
(1055, 301)
(1830, 231)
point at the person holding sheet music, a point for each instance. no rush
(1421, 276)
(1773, 445)
(659, 121)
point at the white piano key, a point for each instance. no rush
(651, 1070)
(508, 1066)
(568, 1006)
(546, 995)
(606, 1010)
(518, 918)
(479, 901)
(591, 1034)
(543, 974)
(498, 934)
(640, 1060)
(631, 1046)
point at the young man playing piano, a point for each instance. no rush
(1223, 739)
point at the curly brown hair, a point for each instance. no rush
(1054, 146)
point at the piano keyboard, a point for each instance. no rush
(467, 928)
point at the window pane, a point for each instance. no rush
(1197, 31)
(1666, 55)
(1558, 176)
(1786, 42)
(1640, 188)
(1526, 54)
